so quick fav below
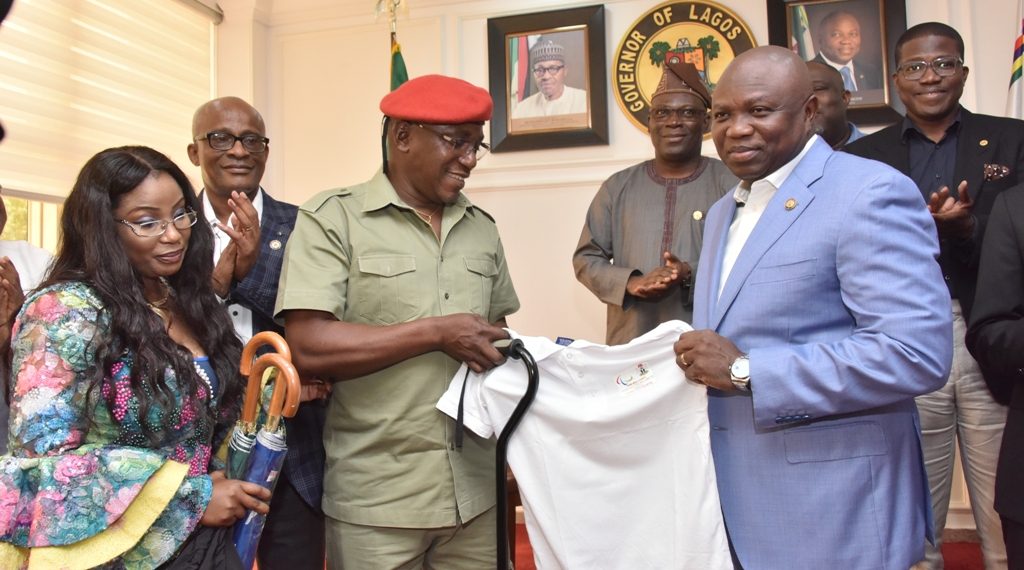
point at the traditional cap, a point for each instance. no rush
(545, 50)
(678, 76)
(438, 99)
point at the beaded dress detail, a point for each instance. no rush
(80, 462)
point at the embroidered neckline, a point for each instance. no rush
(206, 378)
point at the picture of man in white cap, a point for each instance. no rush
(553, 97)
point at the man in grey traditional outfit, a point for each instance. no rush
(639, 246)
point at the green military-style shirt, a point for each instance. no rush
(363, 255)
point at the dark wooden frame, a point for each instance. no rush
(499, 29)
(893, 18)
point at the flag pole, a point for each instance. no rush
(399, 73)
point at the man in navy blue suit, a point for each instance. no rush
(820, 313)
(251, 230)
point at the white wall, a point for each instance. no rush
(318, 68)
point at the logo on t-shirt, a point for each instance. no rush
(638, 376)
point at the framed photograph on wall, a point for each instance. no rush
(856, 37)
(548, 79)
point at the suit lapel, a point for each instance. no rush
(715, 235)
(250, 288)
(785, 207)
(898, 150)
(971, 156)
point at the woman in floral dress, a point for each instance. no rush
(125, 379)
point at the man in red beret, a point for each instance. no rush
(386, 288)
(640, 242)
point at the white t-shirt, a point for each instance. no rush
(30, 261)
(613, 458)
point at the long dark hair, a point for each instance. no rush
(90, 251)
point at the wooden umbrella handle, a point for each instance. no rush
(259, 340)
(284, 401)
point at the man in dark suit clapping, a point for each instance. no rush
(960, 161)
(251, 230)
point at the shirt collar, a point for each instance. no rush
(777, 178)
(836, 64)
(381, 194)
(908, 126)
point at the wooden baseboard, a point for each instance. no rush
(960, 535)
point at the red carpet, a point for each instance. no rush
(958, 555)
(962, 556)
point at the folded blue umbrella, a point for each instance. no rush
(259, 458)
(265, 461)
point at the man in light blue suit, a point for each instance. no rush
(821, 312)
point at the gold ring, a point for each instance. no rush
(682, 359)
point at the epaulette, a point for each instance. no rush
(316, 202)
(485, 212)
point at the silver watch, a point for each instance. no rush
(739, 372)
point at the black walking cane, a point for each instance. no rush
(513, 348)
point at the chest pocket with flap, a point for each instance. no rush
(385, 289)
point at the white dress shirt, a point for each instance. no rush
(753, 201)
(241, 316)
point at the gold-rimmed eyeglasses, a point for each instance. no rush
(156, 228)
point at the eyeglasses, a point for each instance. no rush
(156, 228)
(687, 114)
(461, 147)
(540, 71)
(942, 66)
(225, 141)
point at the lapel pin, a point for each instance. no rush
(275, 244)
(790, 204)
(698, 215)
(983, 142)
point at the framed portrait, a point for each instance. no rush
(856, 37)
(548, 79)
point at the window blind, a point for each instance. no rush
(79, 76)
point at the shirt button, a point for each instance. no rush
(446, 296)
(234, 313)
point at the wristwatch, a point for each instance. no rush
(739, 372)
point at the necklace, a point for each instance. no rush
(427, 217)
(206, 378)
(160, 307)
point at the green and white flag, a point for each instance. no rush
(800, 41)
(399, 74)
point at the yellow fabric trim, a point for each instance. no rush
(12, 556)
(120, 536)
